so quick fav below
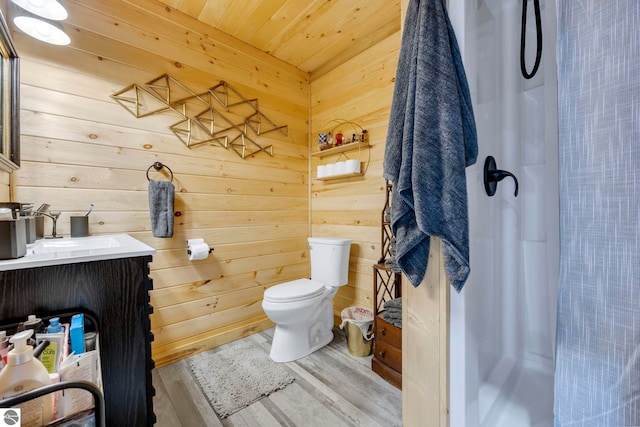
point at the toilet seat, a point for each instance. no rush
(296, 290)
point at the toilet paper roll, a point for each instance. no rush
(198, 251)
(353, 166)
(194, 241)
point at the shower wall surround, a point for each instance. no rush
(598, 357)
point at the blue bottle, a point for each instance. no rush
(54, 325)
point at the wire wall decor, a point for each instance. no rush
(220, 116)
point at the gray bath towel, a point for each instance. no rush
(430, 141)
(393, 317)
(393, 303)
(392, 313)
(161, 198)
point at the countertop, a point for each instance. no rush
(69, 250)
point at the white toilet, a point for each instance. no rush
(303, 309)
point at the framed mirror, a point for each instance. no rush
(9, 101)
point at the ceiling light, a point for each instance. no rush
(46, 31)
(49, 9)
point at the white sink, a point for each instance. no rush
(67, 244)
(68, 250)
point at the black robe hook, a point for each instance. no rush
(492, 176)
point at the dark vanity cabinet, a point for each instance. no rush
(116, 293)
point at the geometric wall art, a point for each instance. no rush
(220, 116)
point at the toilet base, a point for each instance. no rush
(291, 342)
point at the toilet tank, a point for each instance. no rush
(329, 260)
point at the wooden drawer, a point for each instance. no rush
(388, 332)
(392, 376)
(388, 354)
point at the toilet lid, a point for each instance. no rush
(296, 290)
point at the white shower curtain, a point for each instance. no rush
(597, 377)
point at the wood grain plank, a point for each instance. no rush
(299, 407)
(191, 405)
(185, 347)
(190, 7)
(162, 405)
(166, 38)
(226, 252)
(258, 18)
(158, 9)
(109, 178)
(120, 200)
(319, 65)
(163, 316)
(187, 276)
(203, 324)
(74, 153)
(214, 268)
(336, 30)
(256, 415)
(182, 402)
(336, 372)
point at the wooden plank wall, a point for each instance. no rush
(80, 147)
(358, 90)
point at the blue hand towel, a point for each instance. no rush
(431, 139)
(161, 199)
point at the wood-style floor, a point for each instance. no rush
(331, 388)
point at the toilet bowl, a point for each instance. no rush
(302, 309)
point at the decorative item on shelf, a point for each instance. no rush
(364, 136)
(335, 136)
(207, 117)
(322, 141)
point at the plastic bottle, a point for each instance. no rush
(4, 348)
(54, 325)
(24, 373)
(33, 322)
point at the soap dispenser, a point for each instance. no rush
(22, 374)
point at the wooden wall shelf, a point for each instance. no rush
(342, 175)
(341, 149)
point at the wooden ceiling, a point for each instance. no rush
(313, 35)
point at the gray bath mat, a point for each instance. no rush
(237, 376)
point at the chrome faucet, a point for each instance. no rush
(54, 215)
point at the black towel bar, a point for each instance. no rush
(158, 166)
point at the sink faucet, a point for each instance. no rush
(54, 215)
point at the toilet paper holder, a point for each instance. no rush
(199, 242)
(189, 250)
